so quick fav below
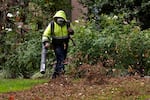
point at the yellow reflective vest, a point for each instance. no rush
(59, 32)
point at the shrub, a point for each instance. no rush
(119, 43)
(24, 59)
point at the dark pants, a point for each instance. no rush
(60, 48)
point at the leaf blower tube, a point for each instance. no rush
(43, 59)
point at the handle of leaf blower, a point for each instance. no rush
(43, 60)
(74, 44)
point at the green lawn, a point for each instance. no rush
(10, 85)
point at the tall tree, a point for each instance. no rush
(139, 9)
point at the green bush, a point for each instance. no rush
(117, 43)
(124, 44)
(23, 58)
(21, 55)
(136, 52)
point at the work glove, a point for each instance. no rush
(46, 44)
(70, 31)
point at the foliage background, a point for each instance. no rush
(117, 45)
(116, 36)
(132, 9)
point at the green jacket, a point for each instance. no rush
(59, 32)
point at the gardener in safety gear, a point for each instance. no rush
(60, 38)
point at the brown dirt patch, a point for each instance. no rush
(93, 85)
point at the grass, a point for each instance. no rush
(10, 85)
